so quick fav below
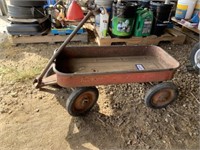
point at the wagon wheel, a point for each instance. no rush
(195, 57)
(161, 95)
(81, 100)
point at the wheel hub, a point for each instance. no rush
(84, 101)
(163, 97)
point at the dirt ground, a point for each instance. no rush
(37, 119)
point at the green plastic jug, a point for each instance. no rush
(123, 19)
(143, 22)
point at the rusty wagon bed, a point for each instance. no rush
(83, 68)
(90, 66)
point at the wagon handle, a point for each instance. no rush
(38, 80)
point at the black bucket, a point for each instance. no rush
(143, 3)
(162, 14)
(123, 19)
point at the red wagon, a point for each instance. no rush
(83, 68)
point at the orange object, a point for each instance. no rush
(74, 12)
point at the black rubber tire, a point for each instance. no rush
(27, 21)
(29, 29)
(28, 2)
(169, 90)
(25, 12)
(77, 98)
(194, 50)
(3, 7)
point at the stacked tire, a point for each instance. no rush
(27, 17)
(3, 7)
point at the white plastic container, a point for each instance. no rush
(185, 9)
(196, 8)
(104, 21)
(97, 17)
(107, 4)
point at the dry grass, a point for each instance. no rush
(10, 74)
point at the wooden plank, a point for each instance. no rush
(185, 26)
(175, 32)
(188, 34)
(48, 38)
(177, 37)
(171, 35)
